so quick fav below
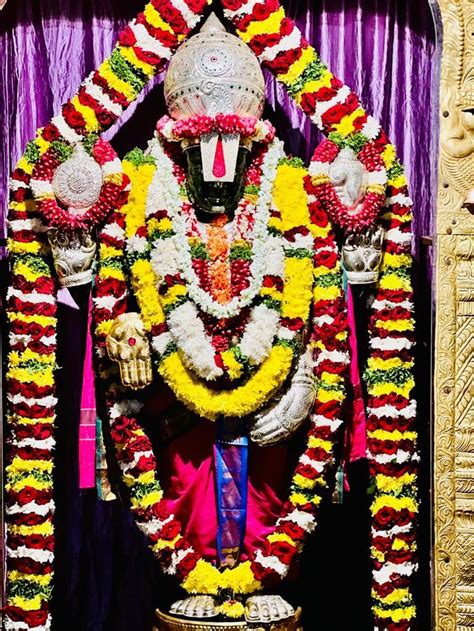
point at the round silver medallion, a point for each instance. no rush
(78, 181)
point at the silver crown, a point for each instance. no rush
(213, 73)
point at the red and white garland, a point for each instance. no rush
(393, 457)
(54, 215)
(143, 48)
(365, 213)
(142, 51)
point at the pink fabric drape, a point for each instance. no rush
(87, 422)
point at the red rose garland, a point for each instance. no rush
(138, 464)
(194, 127)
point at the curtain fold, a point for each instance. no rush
(385, 50)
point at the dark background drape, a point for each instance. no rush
(106, 580)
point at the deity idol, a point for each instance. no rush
(221, 316)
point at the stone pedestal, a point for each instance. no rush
(166, 622)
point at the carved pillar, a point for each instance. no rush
(454, 352)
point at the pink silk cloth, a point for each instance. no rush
(356, 434)
(188, 478)
(87, 422)
(188, 474)
(187, 471)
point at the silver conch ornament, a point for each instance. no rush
(78, 181)
(73, 255)
(362, 256)
(350, 179)
(212, 73)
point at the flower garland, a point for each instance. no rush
(393, 457)
(272, 561)
(364, 214)
(175, 326)
(194, 127)
(331, 105)
(41, 184)
(392, 436)
(144, 47)
(167, 200)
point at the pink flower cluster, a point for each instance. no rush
(197, 126)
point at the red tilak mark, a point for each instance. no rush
(218, 170)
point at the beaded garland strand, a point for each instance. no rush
(144, 47)
(392, 451)
(271, 562)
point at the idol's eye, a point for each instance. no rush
(467, 117)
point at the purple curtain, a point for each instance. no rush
(385, 50)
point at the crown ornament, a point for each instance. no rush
(212, 73)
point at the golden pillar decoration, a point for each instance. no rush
(454, 351)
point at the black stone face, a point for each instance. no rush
(215, 197)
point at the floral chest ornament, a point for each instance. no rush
(225, 357)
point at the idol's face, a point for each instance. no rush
(215, 197)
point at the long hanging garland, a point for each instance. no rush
(271, 562)
(144, 47)
(392, 451)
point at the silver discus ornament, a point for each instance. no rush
(77, 182)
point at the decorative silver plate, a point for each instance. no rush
(78, 181)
